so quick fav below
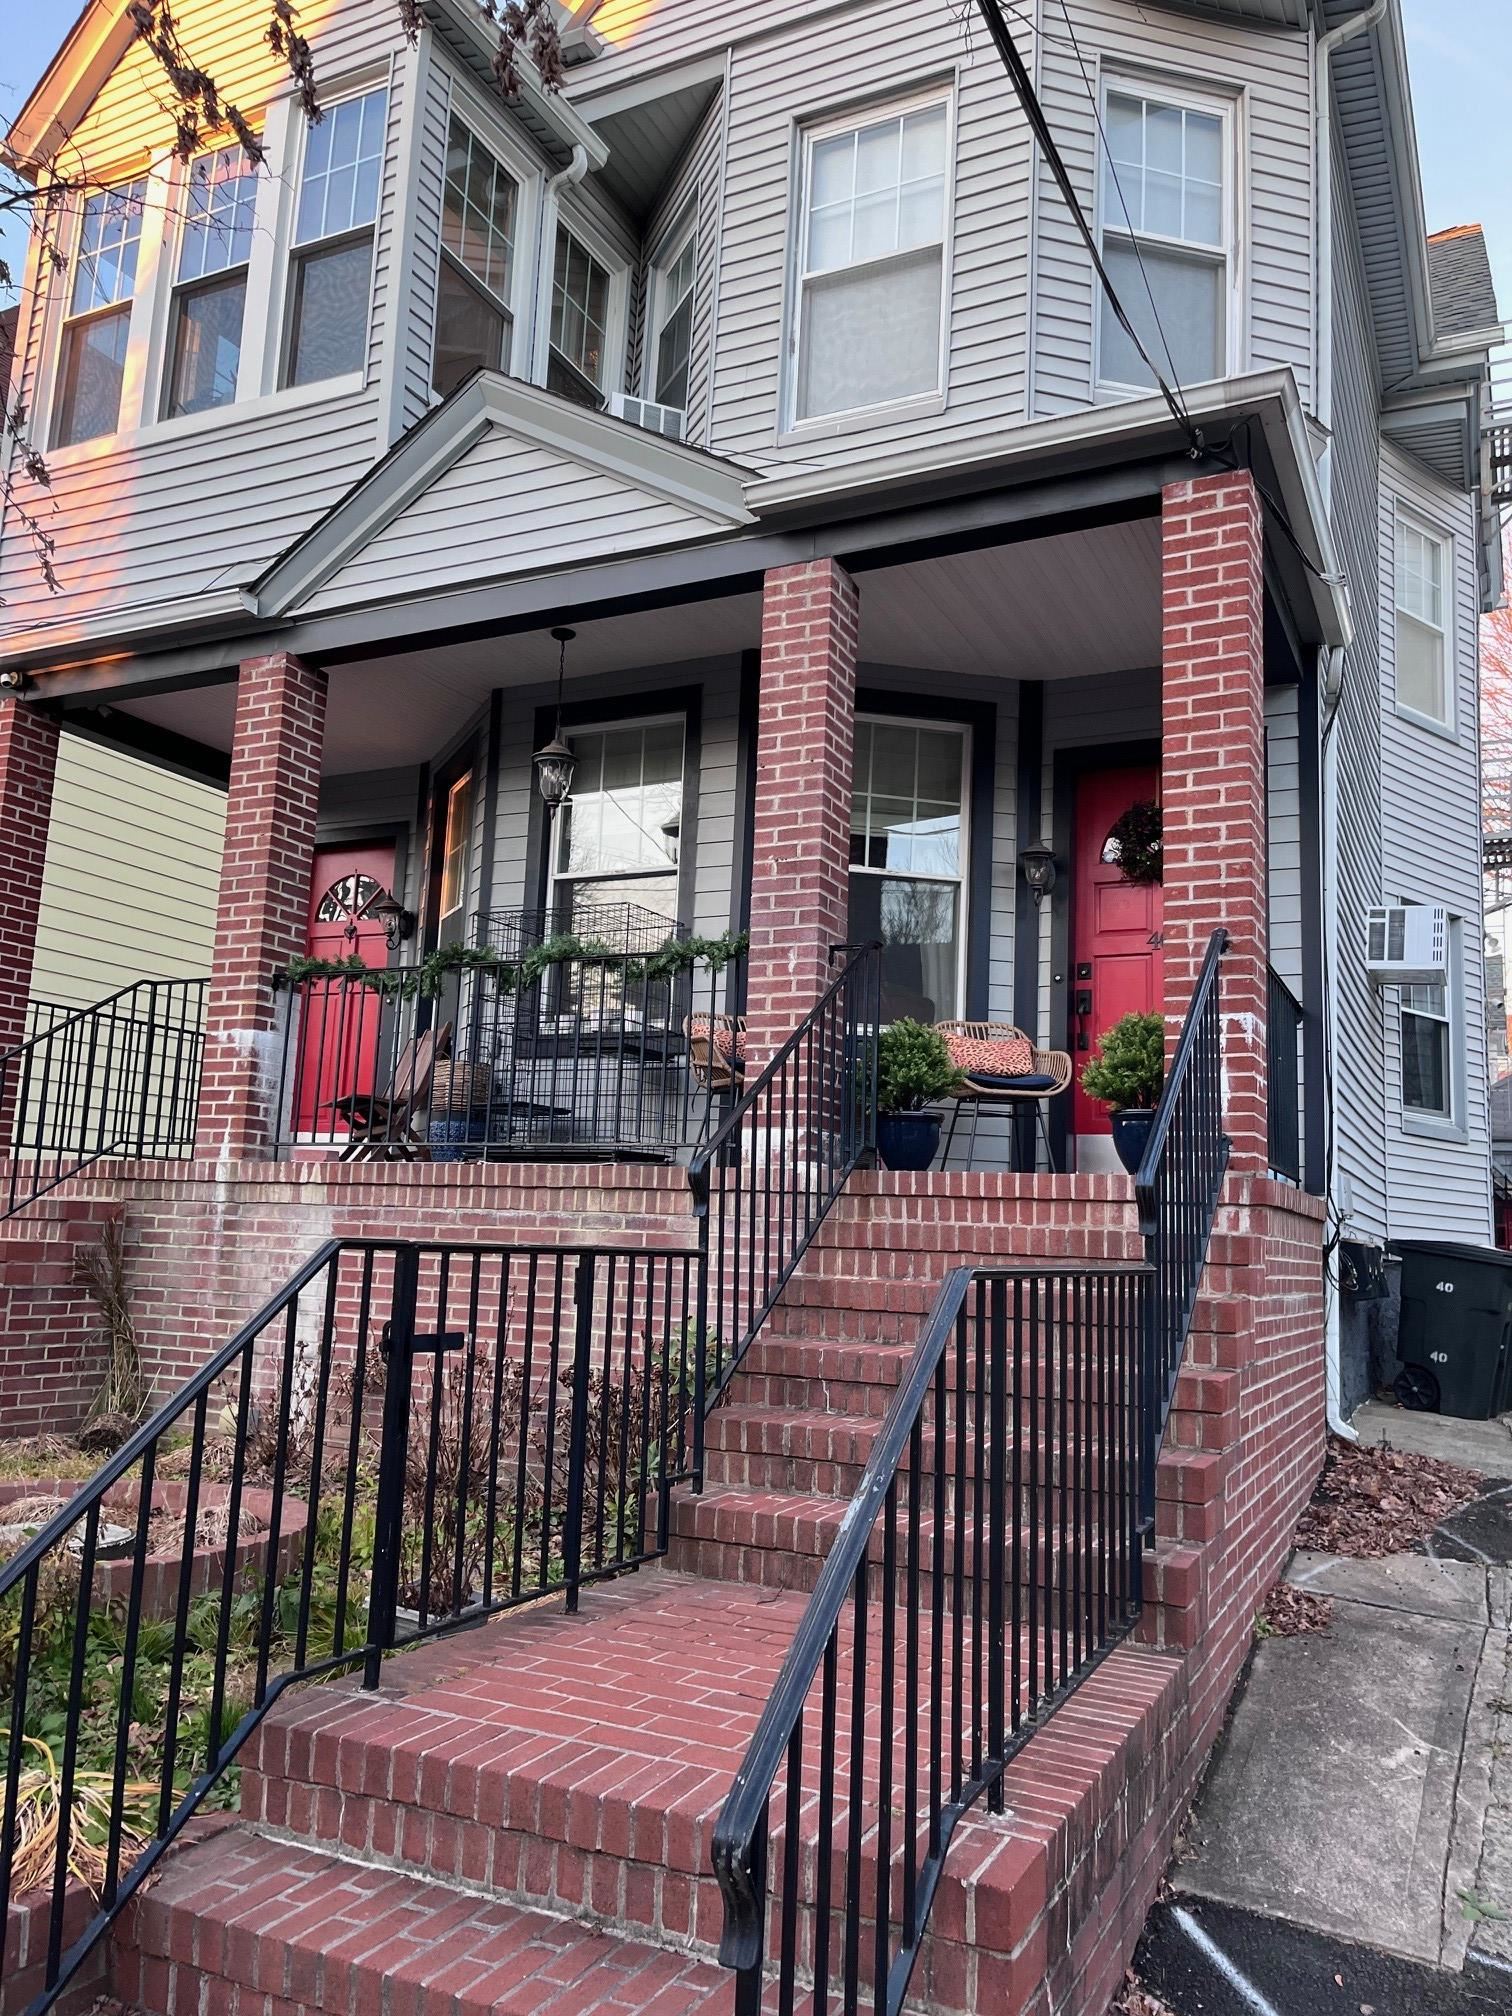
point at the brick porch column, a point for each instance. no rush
(1213, 776)
(805, 739)
(28, 760)
(265, 895)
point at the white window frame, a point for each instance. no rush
(961, 880)
(291, 248)
(1403, 515)
(684, 233)
(556, 877)
(173, 243)
(616, 325)
(1420, 1119)
(57, 319)
(1214, 102)
(809, 135)
(510, 308)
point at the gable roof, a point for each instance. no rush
(503, 478)
(1460, 281)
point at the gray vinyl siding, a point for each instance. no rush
(815, 68)
(1357, 1033)
(695, 187)
(1438, 1187)
(1273, 74)
(1284, 833)
(417, 343)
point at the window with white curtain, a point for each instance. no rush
(869, 324)
(1423, 657)
(1167, 236)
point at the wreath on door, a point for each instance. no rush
(1136, 843)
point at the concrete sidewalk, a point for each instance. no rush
(1363, 1790)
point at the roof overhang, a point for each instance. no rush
(548, 115)
(95, 44)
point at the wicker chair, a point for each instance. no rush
(1050, 1077)
(718, 1070)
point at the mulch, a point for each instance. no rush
(1375, 1501)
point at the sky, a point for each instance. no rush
(1458, 51)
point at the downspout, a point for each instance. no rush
(1333, 671)
(564, 178)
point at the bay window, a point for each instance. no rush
(210, 283)
(908, 862)
(869, 321)
(92, 363)
(1167, 236)
(331, 277)
(672, 279)
(1422, 624)
(479, 209)
(578, 364)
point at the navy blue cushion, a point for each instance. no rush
(1031, 1081)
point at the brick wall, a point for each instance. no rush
(1213, 775)
(28, 758)
(800, 866)
(265, 894)
(53, 1342)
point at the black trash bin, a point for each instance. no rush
(1455, 1342)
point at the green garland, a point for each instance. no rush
(425, 981)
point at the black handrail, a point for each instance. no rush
(1177, 1190)
(263, 1529)
(767, 1179)
(1017, 1418)
(119, 1078)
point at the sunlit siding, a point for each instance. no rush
(696, 188)
(131, 887)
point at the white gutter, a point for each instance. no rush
(1333, 674)
(565, 178)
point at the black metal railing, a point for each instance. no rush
(406, 1439)
(764, 1183)
(1177, 1189)
(989, 1561)
(1283, 1077)
(596, 1056)
(120, 1078)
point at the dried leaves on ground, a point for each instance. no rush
(1133, 2000)
(1376, 1501)
(1292, 1613)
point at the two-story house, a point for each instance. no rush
(718, 503)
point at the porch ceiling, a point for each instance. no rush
(1070, 606)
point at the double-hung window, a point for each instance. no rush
(479, 211)
(618, 836)
(1167, 237)
(92, 364)
(331, 280)
(578, 365)
(908, 862)
(869, 323)
(210, 283)
(1422, 624)
(672, 281)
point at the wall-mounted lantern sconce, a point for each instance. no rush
(1037, 865)
(398, 923)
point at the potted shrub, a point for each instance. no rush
(913, 1068)
(1127, 1074)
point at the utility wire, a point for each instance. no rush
(1039, 125)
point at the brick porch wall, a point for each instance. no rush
(53, 1342)
(28, 761)
(271, 808)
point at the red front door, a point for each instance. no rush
(1115, 927)
(339, 1035)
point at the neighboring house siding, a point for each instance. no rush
(1284, 833)
(132, 882)
(1274, 73)
(1437, 1187)
(1356, 1030)
(178, 508)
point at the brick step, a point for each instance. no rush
(241, 1924)
(580, 1763)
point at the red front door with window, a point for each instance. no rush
(341, 1025)
(1116, 966)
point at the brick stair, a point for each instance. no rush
(521, 1819)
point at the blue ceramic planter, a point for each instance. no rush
(907, 1140)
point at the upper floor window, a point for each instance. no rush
(579, 322)
(332, 269)
(1167, 238)
(210, 283)
(869, 322)
(1422, 624)
(92, 364)
(1427, 1052)
(673, 274)
(479, 207)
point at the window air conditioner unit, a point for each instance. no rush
(1407, 944)
(668, 420)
